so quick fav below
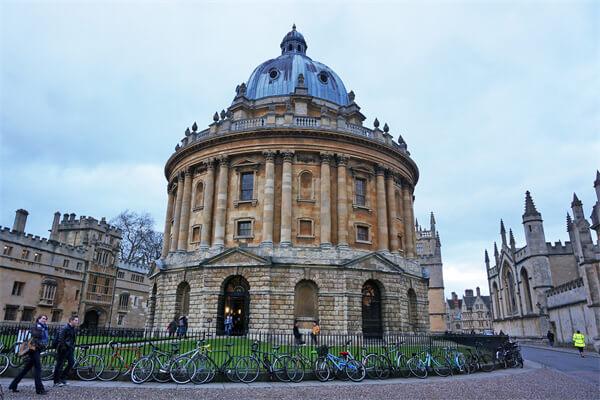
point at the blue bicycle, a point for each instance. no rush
(327, 365)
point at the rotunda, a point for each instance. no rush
(286, 208)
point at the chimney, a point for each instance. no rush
(478, 291)
(54, 230)
(454, 296)
(20, 220)
(468, 292)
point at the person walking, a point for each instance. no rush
(182, 326)
(297, 335)
(228, 325)
(172, 327)
(314, 333)
(550, 336)
(65, 350)
(579, 342)
(39, 339)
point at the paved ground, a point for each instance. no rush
(567, 361)
(532, 382)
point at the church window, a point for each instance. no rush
(306, 191)
(247, 186)
(123, 301)
(18, 288)
(121, 275)
(323, 77)
(526, 290)
(360, 192)
(199, 196)
(362, 233)
(182, 299)
(244, 229)
(273, 74)
(48, 292)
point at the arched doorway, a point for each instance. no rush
(234, 300)
(182, 299)
(412, 309)
(91, 320)
(526, 291)
(306, 303)
(371, 310)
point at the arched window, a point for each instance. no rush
(412, 309)
(182, 299)
(526, 290)
(199, 196)
(48, 292)
(496, 295)
(234, 301)
(306, 306)
(371, 309)
(508, 282)
(305, 184)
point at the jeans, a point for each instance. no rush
(60, 374)
(33, 361)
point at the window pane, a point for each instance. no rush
(244, 228)
(360, 190)
(247, 186)
(362, 233)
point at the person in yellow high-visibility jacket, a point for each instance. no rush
(579, 342)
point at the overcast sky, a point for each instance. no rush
(493, 99)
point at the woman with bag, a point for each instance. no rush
(37, 344)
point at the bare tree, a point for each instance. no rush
(141, 243)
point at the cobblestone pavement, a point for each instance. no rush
(530, 383)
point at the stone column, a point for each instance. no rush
(409, 250)
(342, 202)
(209, 194)
(269, 200)
(325, 201)
(392, 212)
(221, 209)
(186, 204)
(382, 220)
(177, 214)
(286, 200)
(168, 218)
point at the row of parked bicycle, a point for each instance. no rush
(203, 364)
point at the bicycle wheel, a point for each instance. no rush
(296, 370)
(417, 367)
(486, 363)
(461, 363)
(182, 369)
(401, 366)
(384, 367)
(142, 370)
(371, 365)
(247, 369)
(281, 365)
(112, 369)
(4, 363)
(16, 361)
(162, 364)
(205, 370)
(229, 369)
(322, 371)
(355, 370)
(48, 361)
(441, 366)
(90, 367)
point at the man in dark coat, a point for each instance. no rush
(65, 350)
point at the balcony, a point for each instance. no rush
(98, 298)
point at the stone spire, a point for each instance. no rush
(597, 181)
(503, 232)
(530, 210)
(512, 241)
(569, 222)
(577, 208)
(496, 255)
(432, 223)
(487, 259)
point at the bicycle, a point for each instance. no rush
(4, 360)
(299, 363)
(156, 365)
(117, 364)
(392, 361)
(327, 364)
(419, 364)
(479, 360)
(456, 360)
(87, 366)
(248, 367)
(183, 367)
(207, 368)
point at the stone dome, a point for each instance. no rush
(279, 76)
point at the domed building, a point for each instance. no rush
(286, 208)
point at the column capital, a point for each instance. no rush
(342, 160)
(188, 171)
(380, 169)
(181, 176)
(209, 163)
(269, 155)
(223, 161)
(287, 155)
(326, 158)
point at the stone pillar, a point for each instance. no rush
(209, 194)
(408, 221)
(177, 214)
(168, 218)
(325, 201)
(382, 220)
(269, 200)
(286, 200)
(392, 212)
(186, 205)
(342, 202)
(221, 209)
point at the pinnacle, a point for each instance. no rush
(512, 237)
(597, 181)
(495, 249)
(487, 258)
(530, 209)
(569, 222)
(576, 202)
(502, 230)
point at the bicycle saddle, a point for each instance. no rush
(84, 347)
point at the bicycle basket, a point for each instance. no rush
(322, 351)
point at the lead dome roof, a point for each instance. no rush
(279, 76)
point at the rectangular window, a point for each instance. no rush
(362, 233)
(7, 250)
(66, 264)
(48, 293)
(195, 234)
(360, 186)
(244, 228)
(137, 278)
(247, 186)
(79, 266)
(305, 228)
(120, 319)
(25, 254)
(56, 315)
(94, 284)
(18, 288)
(10, 313)
(37, 257)
(121, 275)
(106, 285)
(27, 315)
